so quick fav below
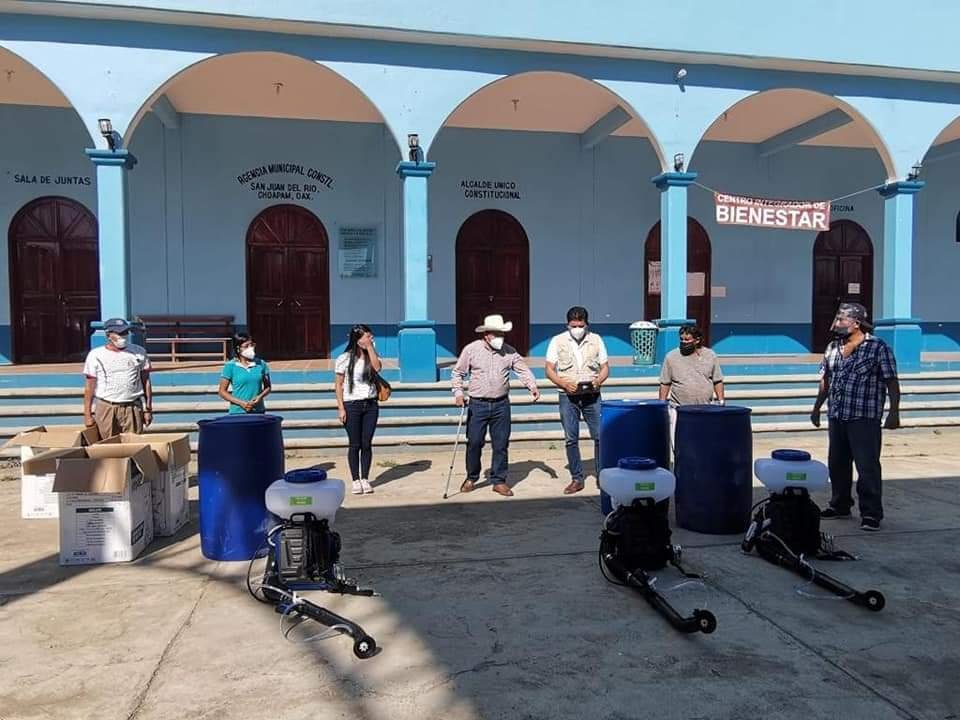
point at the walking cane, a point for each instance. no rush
(456, 442)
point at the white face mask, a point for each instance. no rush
(496, 343)
(578, 333)
(119, 342)
(249, 353)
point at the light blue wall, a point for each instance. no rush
(920, 38)
(217, 210)
(37, 142)
(112, 69)
(586, 213)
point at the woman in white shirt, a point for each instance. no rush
(357, 402)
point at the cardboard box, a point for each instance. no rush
(37, 499)
(105, 500)
(171, 501)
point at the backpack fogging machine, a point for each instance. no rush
(635, 540)
(785, 528)
(302, 553)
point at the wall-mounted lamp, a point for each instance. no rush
(681, 74)
(914, 173)
(413, 142)
(678, 161)
(106, 129)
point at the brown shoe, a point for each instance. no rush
(467, 486)
(503, 489)
(573, 487)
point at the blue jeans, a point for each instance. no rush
(572, 408)
(495, 415)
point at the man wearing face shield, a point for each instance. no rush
(857, 372)
(117, 394)
(577, 363)
(489, 362)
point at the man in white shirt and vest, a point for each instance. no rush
(577, 363)
(117, 394)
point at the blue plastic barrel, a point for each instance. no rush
(238, 457)
(714, 468)
(632, 428)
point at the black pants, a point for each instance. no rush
(855, 442)
(361, 424)
(495, 415)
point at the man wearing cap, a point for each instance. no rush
(857, 372)
(577, 364)
(488, 361)
(117, 394)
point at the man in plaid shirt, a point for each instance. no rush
(857, 373)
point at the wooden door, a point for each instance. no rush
(699, 262)
(54, 280)
(842, 272)
(493, 276)
(288, 283)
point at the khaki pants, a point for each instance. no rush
(115, 419)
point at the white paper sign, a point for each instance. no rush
(653, 277)
(696, 284)
(718, 291)
(853, 288)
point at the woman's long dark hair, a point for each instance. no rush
(357, 332)
(238, 340)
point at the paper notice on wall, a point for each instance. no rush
(853, 288)
(357, 255)
(718, 291)
(653, 277)
(696, 284)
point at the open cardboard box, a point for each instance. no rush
(170, 488)
(104, 493)
(37, 499)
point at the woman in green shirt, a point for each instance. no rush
(245, 380)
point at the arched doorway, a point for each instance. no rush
(288, 285)
(842, 272)
(698, 276)
(54, 280)
(493, 276)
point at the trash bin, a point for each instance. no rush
(239, 456)
(632, 428)
(643, 338)
(714, 468)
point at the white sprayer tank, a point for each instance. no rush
(791, 468)
(637, 477)
(305, 491)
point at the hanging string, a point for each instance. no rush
(872, 188)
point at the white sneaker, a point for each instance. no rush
(357, 487)
(367, 487)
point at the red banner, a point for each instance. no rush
(778, 214)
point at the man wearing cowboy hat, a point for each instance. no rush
(488, 362)
(857, 372)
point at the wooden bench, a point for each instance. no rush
(175, 331)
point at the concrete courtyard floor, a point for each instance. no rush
(495, 608)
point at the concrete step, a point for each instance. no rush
(279, 404)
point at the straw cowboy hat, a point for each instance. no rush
(494, 323)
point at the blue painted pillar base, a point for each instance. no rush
(668, 337)
(417, 342)
(905, 338)
(99, 337)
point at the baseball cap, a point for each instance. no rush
(116, 325)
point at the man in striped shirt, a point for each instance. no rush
(489, 362)
(117, 394)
